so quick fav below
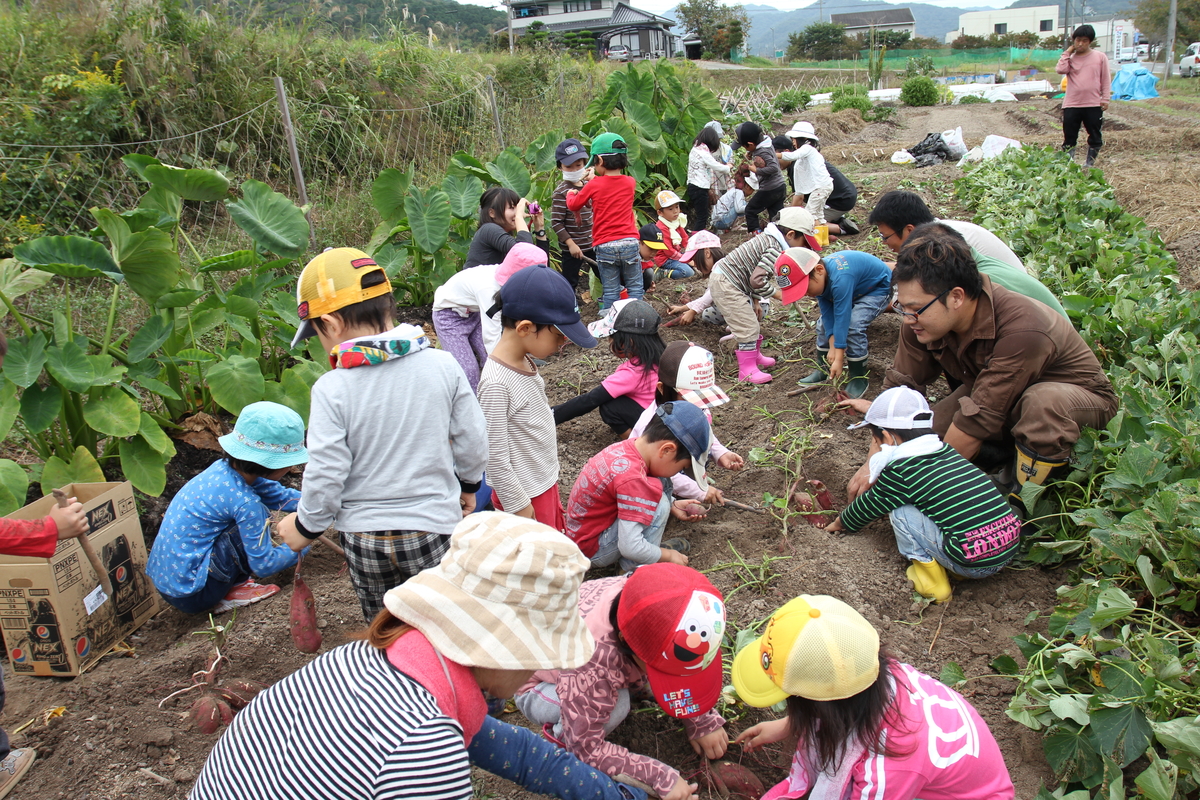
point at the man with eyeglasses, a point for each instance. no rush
(1026, 377)
(897, 212)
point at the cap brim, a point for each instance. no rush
(306, 331)
(813, 244)
(654, 245)
(684, 696)
(711, 397)
(753, 684)
(578, 333)
(858, 425)
(794, 292)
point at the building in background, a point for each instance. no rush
(612, 22)
(863, 22)
(1042, 20)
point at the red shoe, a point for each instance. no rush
(245, 594)
(548, 733)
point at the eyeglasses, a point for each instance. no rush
(885, 238)
(915, 315)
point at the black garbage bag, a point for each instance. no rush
(931, 150)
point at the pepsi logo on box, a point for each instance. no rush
(50, 619)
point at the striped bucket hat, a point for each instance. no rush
(505, 596)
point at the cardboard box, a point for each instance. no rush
(53, 614)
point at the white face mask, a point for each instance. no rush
(573, 174)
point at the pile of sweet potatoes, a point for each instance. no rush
(218, 702)
(811, 505)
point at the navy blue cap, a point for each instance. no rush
(569, 151)
(691, 428)
(544, 297)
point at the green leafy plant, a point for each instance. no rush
(790, 101)
(919, 91)
(202, 346)
(859, 101)
(1112, 684)
(971, 99)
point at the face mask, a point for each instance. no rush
(573, 175)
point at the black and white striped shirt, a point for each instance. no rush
(348, 725)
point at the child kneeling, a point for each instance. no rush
(618, 507)
(947, 514)
(864, 721)
(215, 534)
(661, 625)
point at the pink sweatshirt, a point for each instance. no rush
(588, 694)
(945, 751)
(1088, 81)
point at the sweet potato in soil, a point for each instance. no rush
(734, 781)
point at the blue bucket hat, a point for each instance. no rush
(269, 434)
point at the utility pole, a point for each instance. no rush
(1171, 19)
(511, 46)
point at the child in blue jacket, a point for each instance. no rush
(216, 534)
(852, 289)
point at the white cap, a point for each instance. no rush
(665, 199)
(898, 409)
(803, 130)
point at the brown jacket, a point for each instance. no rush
(1014, 342)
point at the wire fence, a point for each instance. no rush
(759, 102)
(341, 149)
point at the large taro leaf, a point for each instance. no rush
(150, 264)
(71, 367)
(639, 86)
(14, 483)
(114, 227)
(653, 151)
(428, 217)
(235, 383)
(15, 282)
(292, 391)
(274, 222)
(463, 164)
(25, 359)
(602, 105)
(204, 185)
(643, 119)
(82, 468)
(156, 437)
(10, 406)
(40, 406)
(464, 192)
(138, 163)
(69, 256)
(391, 257)
(166, 203)
(227, 262)
(144, 467)
(541, 150)
(388, 193)
(508, 171)
(112, 412)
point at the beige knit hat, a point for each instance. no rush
(505, 596)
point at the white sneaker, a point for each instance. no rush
(16, 764)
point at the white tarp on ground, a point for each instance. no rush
(1004, 91)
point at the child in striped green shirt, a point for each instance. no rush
(946, 513)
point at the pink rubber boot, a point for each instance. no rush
(759, 358)
(748, 370)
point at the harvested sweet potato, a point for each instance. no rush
(821, 493)
(735, 782)
(206, 712)
(238, 692)
(226, 712)
(695, 509)
(806, 504)
(305, 633)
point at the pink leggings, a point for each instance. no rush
(462, 337)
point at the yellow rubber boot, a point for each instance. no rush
(1036, 469)
(930, 580)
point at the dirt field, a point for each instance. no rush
(113, 740)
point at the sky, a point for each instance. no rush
(659, 6)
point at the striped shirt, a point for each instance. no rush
(759, 251)
(575, 225)
(522, 443)
(347, 725)
(977, 525)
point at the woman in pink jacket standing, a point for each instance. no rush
(1088, 91)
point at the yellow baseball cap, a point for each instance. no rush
(815, 647)
(331, 281)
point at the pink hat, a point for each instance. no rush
(699, 241)
(520, 256)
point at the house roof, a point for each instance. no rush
(623, 14)
(866, 19)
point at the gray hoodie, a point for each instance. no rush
(394, 432)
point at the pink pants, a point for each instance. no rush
(462, 337)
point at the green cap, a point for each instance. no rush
(606, 144)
